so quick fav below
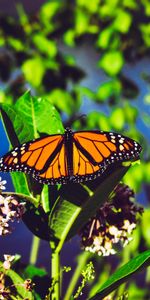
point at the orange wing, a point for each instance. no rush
(95, 151)
(73, 157)
(43, 158)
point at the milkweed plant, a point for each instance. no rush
(103, 213)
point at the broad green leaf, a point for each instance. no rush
(40, 277)
(2, 41)
(108, 37)
(146, 99)
(145, 226)
(16, 44)
(145, 30)
(135, 291)
(20, 183)
(63, 100)
(104, 123)
(33, 70)
(81, 22)
(45, 198)
(98, 120)
(111, 62)
(122, 21)
(130, 112)
(78, 203)
(2, 97)
(123, 274)
(48, 10)
(32, 271)
(45, 45)
(109, 89)
(132, 4)
(135, 176)
(69, 37)
(146, 172)
(117, 119)
(91, 6)
(40, 115)
(23, 17)
(108, 9)
(37, 221)
(16, 130)
(23, 122)
(18, 283)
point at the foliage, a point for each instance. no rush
(61, 216)
(34, 55)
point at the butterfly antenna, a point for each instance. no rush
(81, 117)
(74, 119)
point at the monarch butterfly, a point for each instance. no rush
(70, 157)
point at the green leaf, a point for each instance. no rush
(16, 44)
(48, 10)
(135, 176)
(145, 30)
(33, 70)
(145, 226)
(20, 183)
(112, 62)
(91, 6)
(32, 271)
(109, 89)
(40, 277)
(98, 120)
(63, 101)
(45, 198)
(69, 37)
(81, 22)
(122, 21)
(117, 118)
(37, 221)
(131, 4)
(108, 37)
(16, 130)
(131, 113)
(18, 282)
(123, 274)
(78, 203)
(45, 45)
(40, 115)
(23, 122)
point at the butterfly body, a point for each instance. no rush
(70, 157)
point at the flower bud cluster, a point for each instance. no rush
(113, 223)
(10, 210)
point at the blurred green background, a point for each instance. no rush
(85, 57)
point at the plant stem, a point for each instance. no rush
(34, 201)
(81, 264)
(55, 275)
(34, 250)
(148, 275)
